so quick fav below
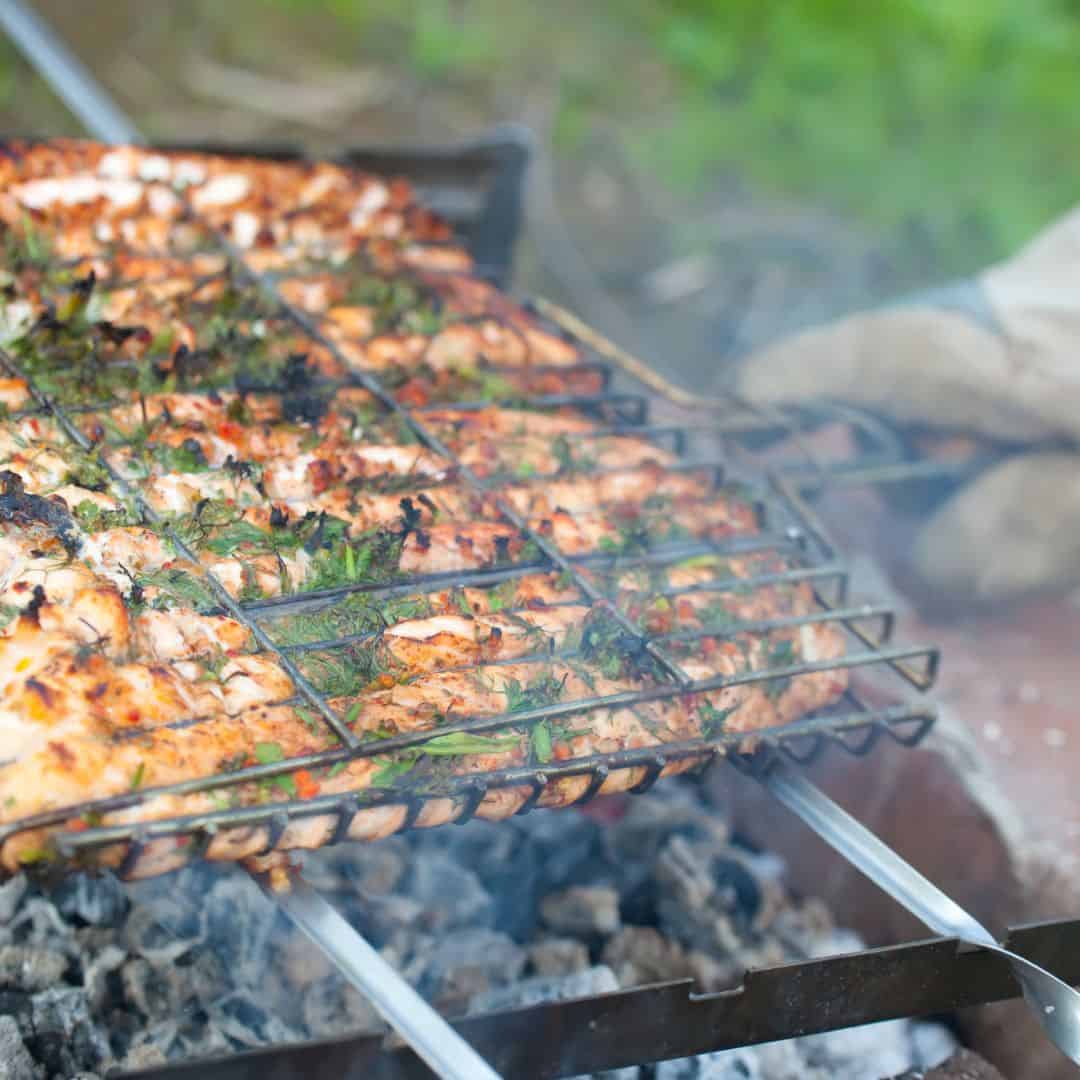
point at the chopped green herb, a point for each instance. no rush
(267, 753)
(311, 721)
(714, 719)
(137, 779)
(240, 534)
(463, 742)
(392, 770)
(540, 742)
(781, 654)
(545, 689)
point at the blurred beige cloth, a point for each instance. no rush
(1009, 369)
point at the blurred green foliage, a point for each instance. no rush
(958, 114)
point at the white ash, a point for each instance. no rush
(543, 907)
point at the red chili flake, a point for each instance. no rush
(306, 785)
(35, 427)
(183, 841)
(76, 825)
(62, 752)
(133, 716)
(229, 430)
(685, 609)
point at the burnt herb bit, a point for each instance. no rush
(22, 508)
(87, 470)
(611, 649)
(781, 654)
(93, 518)
(714, 720)
(371, 557)
(188, 457)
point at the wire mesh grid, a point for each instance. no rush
(785, 526)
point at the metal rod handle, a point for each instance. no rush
(433, 1039)
(61, 69)
(874, 858)
(1054, 1003)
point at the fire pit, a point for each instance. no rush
(691, 923)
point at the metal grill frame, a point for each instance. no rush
(788, 524)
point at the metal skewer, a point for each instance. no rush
(433, 1039)
(61, 69)
(1056, 1004)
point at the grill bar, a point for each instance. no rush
(786, 740)
(554, 560)
(671, 1020)
(553, 555)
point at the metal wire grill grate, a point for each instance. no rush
(785, 527)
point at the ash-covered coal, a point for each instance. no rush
(483, 918)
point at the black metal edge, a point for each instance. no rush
(666, 1021)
